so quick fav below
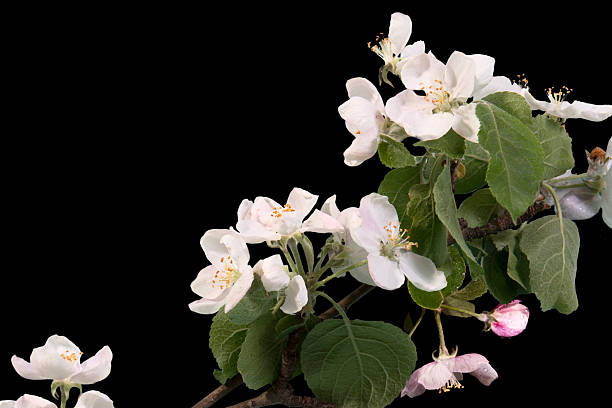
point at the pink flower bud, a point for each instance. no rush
(510, 319)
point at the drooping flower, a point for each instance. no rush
(266, 220)
(94, 399)
(228, 278)
(28, 401)
(447, 89)
(390, 259)
(557, 106)
(394, 50)
(509, 319)
(445, 372)
(60, 360)
(276, 277)
(353, 253)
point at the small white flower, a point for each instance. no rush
(390, 260)
(559, 107)
(60, 360)
(266, 220)
(228, 278)
(275, 277)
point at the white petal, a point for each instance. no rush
(32, 401)
(212, 246)
(329, 207)
(254, 232)
(204, 286)
(595, 113)
(365, 89)
(296, 296)
(361, 149)
(421, 272)
(422, 71)
(361, 116)
(302, 202)
(239, 288)
(26, 370)
(496, 84)
(413, 50)
(484, 66)
(237, 248)
(580, 204)
(322, 223)
(606, 204)
(208, 306)
(272, 272)
(415, 115)
(50, 363)
(95, 368)
(460, 76)
(400, 30)
(466, 122)
(375, 212)
(385, 273)
(94, 399)
(356, 254)
(434, 376)
(7, 404)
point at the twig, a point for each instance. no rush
(347, 301)
(220, 392)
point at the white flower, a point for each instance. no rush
(266, 220)
(275, 277)
(559, 107)
(364, 116)
(447, 89)
(94, 399)
(28, 401)
(606, 202)
(354, 253)
(390, 260)
(229, 277)
(394, 49)
(60, 360)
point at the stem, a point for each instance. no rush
(443, 348)
(572, 177)
(347, 301)
(417, 322)
(317, 269)
(296, 255)
(552, 191)
(283, 248)
(220, 392)
(64, 396)
(476, 315)
(338, 273)
(333, 302)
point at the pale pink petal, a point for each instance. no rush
(26, 370)
(322, 223)
(434, 375)
(95, 368)
(329, 207)
(465, 363)
(365, 89)
(272, 272)
(302, 202)
(254, 232)
(94, 399)
(400, 30)
(32, 401)
(511, 319)
(376, 213)
(385, 273)
(206, 284)
(58, 359)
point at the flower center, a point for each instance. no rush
(397, 238)
(438, 95)
(278, 212)
(384, 50)
(558, 96)
(71, 357)
(450, 384)
(227, 275)
(521, 80)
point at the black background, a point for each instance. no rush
(129, 132)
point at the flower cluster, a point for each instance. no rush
(59, 360)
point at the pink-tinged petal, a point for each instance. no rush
(94, 399)
(511, 319)
(421, 71)
(356, 254)
(239, 288)
(485, 374)
(58, 359)
(272, 272)
(460, 76)
(362, 148)
(95, 368)
(365, 89)
(206, 284)
(466, 123)
(434, 375)
(385, 273)
(322, 223)
(208, 306)
(400, 30)
(421, 272)
(296, 296)
(413, 387)
(375, 213)
(26, 370)
(465, 363)
(32, 401)
(302, 202)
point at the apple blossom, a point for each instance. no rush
(390, 260)
(28, 401)
(266, 220)
(559, 107)
(60, 360)
(229, 276)
(509, 320)
(275, 277)
(447, 89)
(445, 372)
(353, 253)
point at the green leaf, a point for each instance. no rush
(517, 266)
(454, 269)
(475, 161)
(474, 265)
(478, 208)
(557, 146)
(428, 300)
(451, 144)
(512, 103)
(260, 356)
(394, 154)
(460, 304)
(551, 245)
(516, 166)
(396, 186)
(225, 341)
(357, 363)
(473, 290)
(504, 289)
(255, 303)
